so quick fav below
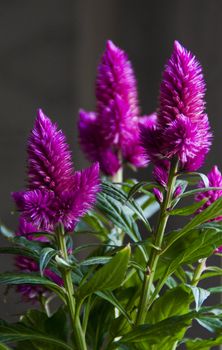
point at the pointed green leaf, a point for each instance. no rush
(189, 210)
(17, 333)
(200, 295)
(213, 211)
(108, 277)
(30, 278)
(45, 256)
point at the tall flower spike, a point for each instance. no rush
(182, 127)
(56, 193)
(111, 134)
(116, 93)
(49, 158)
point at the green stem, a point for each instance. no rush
(154, 256)
(71, 303)
(198, 272)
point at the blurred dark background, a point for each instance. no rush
(49, 51)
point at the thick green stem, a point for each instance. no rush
(154, 256)
(71, 303)
(198, 272)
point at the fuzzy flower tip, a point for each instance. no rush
(114, 128)
(116, 93)
(56, 193)
(182, 127)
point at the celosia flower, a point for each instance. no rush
(27, 228)
(215, 180)
(56, 193)
(182, 127)
(111, 134)
(94, 145)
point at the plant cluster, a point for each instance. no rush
(137, 286)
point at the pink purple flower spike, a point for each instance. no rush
(49, 158)
(94, 145)
(116, 94)
(74, 205)
(182, 128)
(55, 194)
(39, 208)
(26, 228)
(215, 180)
(111, 134)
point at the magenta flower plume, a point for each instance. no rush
(49, 158)
(56, 193)
(26, 229)
(182, 127)
(215, 180)
(113, 130)
(116, 93)
(94, 145)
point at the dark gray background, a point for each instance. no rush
(49, 51)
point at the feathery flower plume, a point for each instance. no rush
(94, 145)
(182, 127)
(56, 193)
(113, 130)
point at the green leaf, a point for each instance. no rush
(189, 210)
(212, 324)
(134, 189)
(198, 175)
(203, 344)
(213, 211)
(30, 278)
(17, 333)
(173, 302)
(45, 256)
(117, 194)
(197, 244)
(108, 277)
(117, 214)
(96, 260)
(4, 347)
(200, 295)
(154, 334)
(196, 191)
(109, 296)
